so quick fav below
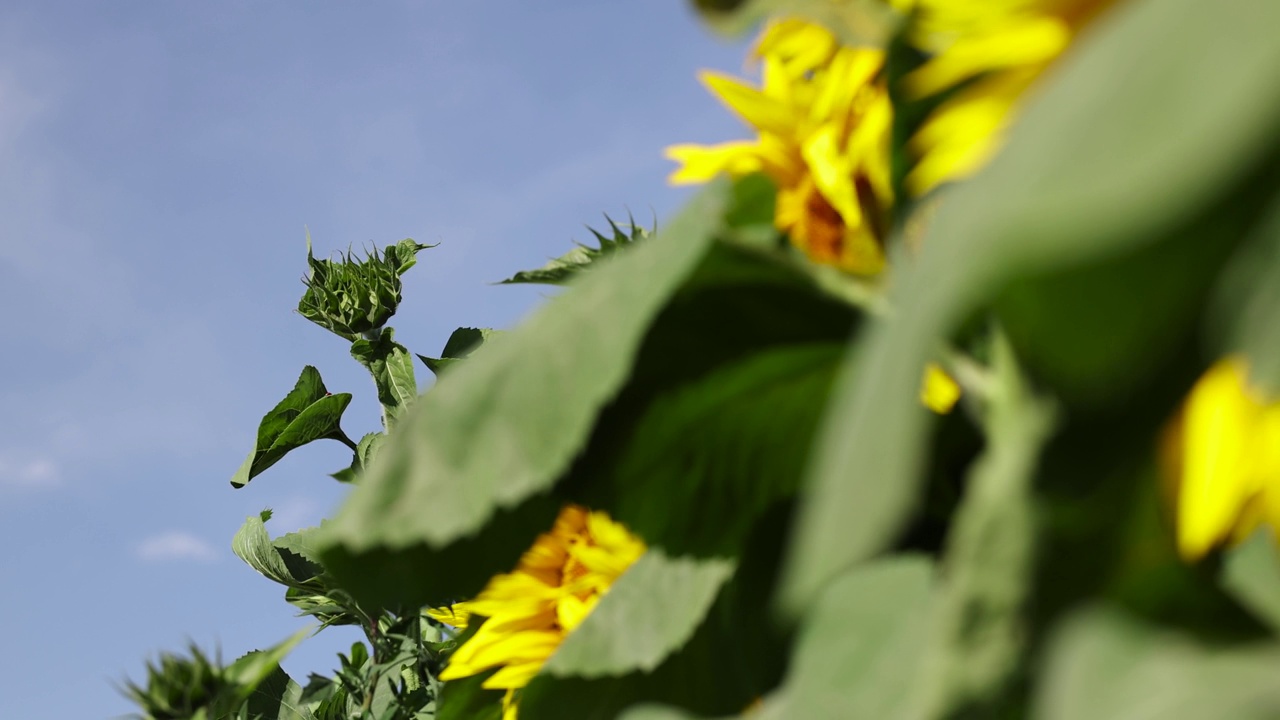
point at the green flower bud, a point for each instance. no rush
(180, 687)
(353, 297)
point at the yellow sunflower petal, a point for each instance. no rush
(1215, 487)
(938, 391)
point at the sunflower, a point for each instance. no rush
(524, 615)
(822, 136)
(987, 55)
(1222, 461)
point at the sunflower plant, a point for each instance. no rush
(953, 392)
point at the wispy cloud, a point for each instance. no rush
(176, 545)
(31, 474)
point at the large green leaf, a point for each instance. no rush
(309, 412)
(391, 366)
(505, 425)
(859, 654)
(1103, 666)
(635, 628)
(691, 467)
(1101, 163)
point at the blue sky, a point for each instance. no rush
(158, 164)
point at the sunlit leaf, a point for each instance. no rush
(309, 412)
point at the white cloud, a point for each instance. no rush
(293, 514)
(33, 474)
(176, 545)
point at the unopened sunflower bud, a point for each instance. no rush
(352, 297)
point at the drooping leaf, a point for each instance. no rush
(309, 412)
(461, 343)
(287, 563)
(391, 366)
(1066, 190)
(1104, 666)
(506, 425)
(635, 628)
(583, 257)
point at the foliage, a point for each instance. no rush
(819, 545)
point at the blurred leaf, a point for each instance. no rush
(635, 628)
(859, 653)
(460, 344)
(1103, 666)
(1257, 329)
(1252, 574)
(391, 366)
(583, 257)
(307, 413)
(252, 669)
(464, 699)
(505, 426)
(1067, 189)
(855, 22)
(977, 648)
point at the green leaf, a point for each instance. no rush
(978, 648)
(277, 697)
(1103, 666)
(1252, 574)
(1257, 327)
(506, 425)
(461, 343)
(251, 670)
(391, 366)
(583, 257)
(692, 468)
(1066, 190)
(859, 654)
(855, 22)
(464, 699)
(287, 563)
(307, 413)
(634, 628)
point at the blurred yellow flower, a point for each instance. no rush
(938, 391)
(1222, 461)
(823, 137)
(528, 612)
(989, 53)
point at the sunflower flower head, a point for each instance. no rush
(823, 122)
(986, 55)
(524, 615)
(1222, 461)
